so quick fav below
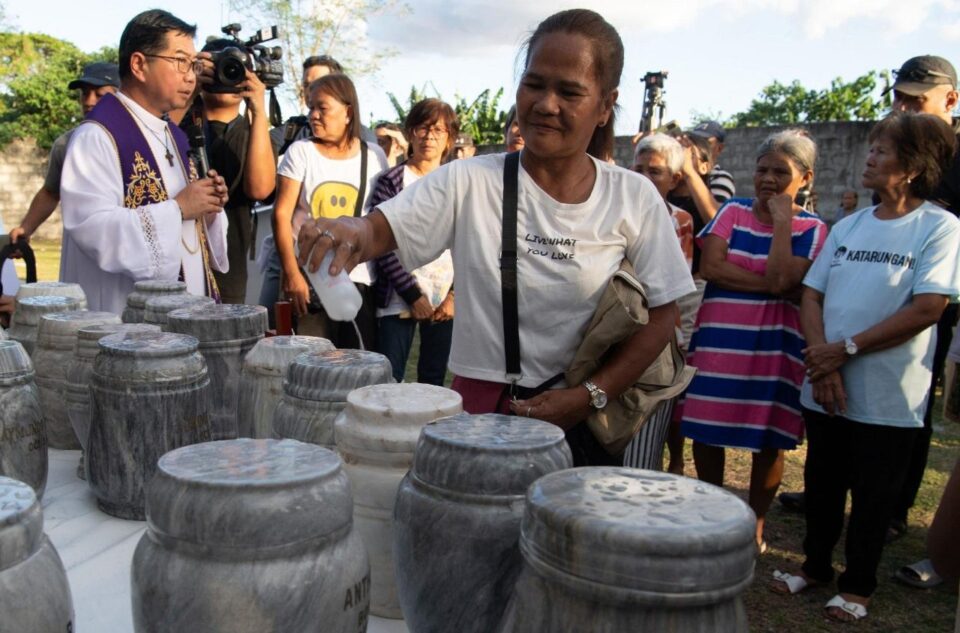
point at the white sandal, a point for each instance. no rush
(794, 584)
(858, 611)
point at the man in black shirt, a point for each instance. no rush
(239, 149)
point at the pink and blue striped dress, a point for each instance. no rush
(747, 346)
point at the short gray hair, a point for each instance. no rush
(667, 146)
(795, 144)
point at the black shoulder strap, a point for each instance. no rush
(26, 253)
(508, 266)
(362, 189)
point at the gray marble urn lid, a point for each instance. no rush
(388, 418)
(271, 356)
(489, 454)
(143, 290)
(640, 529)
(15, 363)
(249, 494)
(330, 376)
(30, 309)
(61, 327)
(148, 344)
(58, 288)
(227, 322)
(98, 331)
(21, 522)
(155, 310)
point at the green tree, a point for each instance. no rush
(329, 27)
(481, 117)
(34, 72)
(791, 104)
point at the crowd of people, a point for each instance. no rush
(834, 329)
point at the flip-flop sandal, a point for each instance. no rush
(920, 574)
(793, 583)
(858, 611)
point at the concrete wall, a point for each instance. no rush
(22, 168)
(841, 156)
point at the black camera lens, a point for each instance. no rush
(230, 67)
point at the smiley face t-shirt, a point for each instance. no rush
(329, 188)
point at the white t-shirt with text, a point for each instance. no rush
(567, 254)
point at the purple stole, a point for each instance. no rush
(143, 183)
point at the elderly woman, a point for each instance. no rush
(577, 219)
(423, 297)
(328, 175)
(886, 275)
(747, 346)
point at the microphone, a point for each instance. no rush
(198, 144)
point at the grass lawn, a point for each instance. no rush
(895, 607)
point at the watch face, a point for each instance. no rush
(599, 400)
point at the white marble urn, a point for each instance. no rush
(249, 536)
(26, 319)
(376, 435)
(147, 289)
(53, 288)
(261, 380)
(34, 592)
(611, 549)
(23, 437)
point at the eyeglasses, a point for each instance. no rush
(182, 64)
(421, 131)
(919, 74)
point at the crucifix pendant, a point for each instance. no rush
(169, 157)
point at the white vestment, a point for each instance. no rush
(106, 246)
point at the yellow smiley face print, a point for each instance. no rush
(333, 199)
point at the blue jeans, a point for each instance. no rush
(395, 337)
(270, 290)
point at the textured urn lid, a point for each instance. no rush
(143, 290)
(149, 358)
(273, 355)
(330, 376)
(249, 494)
(156, 308)
(389, 417)
(489, 454)
(98, 331)
(66, 324)
(641, 530)
(58, 288)
(148, 344)
(15, 363)
(31, 309)
(219, 322)
(21, 522)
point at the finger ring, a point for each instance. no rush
(327, 233)
(349, 246)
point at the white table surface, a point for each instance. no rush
(97, 550)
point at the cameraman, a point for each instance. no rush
(98, 79)
(239, 148)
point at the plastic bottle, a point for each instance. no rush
(340, 298)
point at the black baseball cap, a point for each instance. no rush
(708, 129)
(920, 74)
(97, 74)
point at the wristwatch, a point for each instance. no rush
(598, 397)
(849, 346)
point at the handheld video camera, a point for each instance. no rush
(231, 64)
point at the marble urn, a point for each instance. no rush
(53, 288)
(611, 549)
(315, 391)
(226, 333)
(34, 592)
(457, 517)
(261, 380)
(249, 536)
(56, 342)
(23, 438)
(376, 436)
(26, 318)
(143, 290)
(148, 396)
(156, 309)
(79, 370)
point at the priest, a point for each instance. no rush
(133, 207)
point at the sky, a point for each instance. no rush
(719, 53)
